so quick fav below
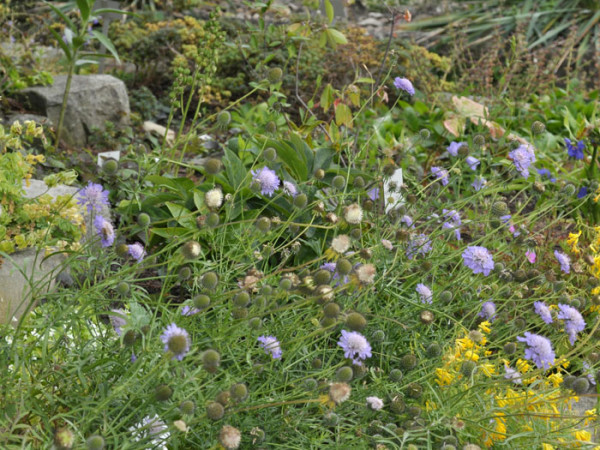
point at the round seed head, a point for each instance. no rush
(396, 375)
(300, 201)
(408, 362)
(201, 301)
(338, 182)
(343, 266)
(187, 407)
(434, 350)
(425, 133)
(467, 368)
(213, 166)
(95, 443)
(143, 220)
(378, 336)
(446, 297)
(64, 439)
(274, 75)
(581, 385)
(397, 405)
(344, 374)
(479, 140)
(331, 419)
(310, 384)
(271, 127)
(210, 280)
(211, 360)
(110, 166)
(316, 363)
(270, 154)
(538, 127)
(569, 190)
(519, 323)
(324, 294)
(500, 208)
(163, 392)
(414, 411)
(122, 250)
(230, 437)
(263, 224)
(476, 336)
(322, 276)
(191, 250)
(426, 317)
(241, 299)
(285, 284)
(239, 392)
(255, 323)
(331, 310)
(223, 397)
(319, 174)
(414, 390)
(184, 273)
(520, 275)
(215, 411)
(359, 182)
(129, 338)
(123, 288)
(224, 118)
(510, 348)
(212, 220)
(356, 321)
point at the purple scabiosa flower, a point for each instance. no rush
(266, 179)
(189, 310)
(420, 244)
(425, 293)
(105, 230)
(512, 375)
(373, 194)
(404, 85)
(407, 220)
(176, 340)
(440, 174)
(564, 261)
(331, 267)
(355, 346)
(478, 259)
(523, 157)
(118, 320)
(589, 372)
(546, 173)
(472, 162)
(136, 251)
(133, 358)
(574, 322)
(479, 183)
(543, 311)
(93, 197)
(539, 350)
(290, 188)
(375, 403)
(531, 256)
(271, 345)
(454, 147)
(583, 191)
(453, 222)
(488, 311)
(152, 428)
(575, 151)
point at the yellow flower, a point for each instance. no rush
(444, 378)
(582, 435)
(488, 369)
(597, 197)
(523, 366)
(556, 379)
(465, 343)
(573, 241)
(547, 446)
(485, 326)
(470, 354)
(596, 290)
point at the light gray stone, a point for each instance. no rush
(93, 100)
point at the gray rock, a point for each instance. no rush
(22, 118)
(370, 22)
(93, 100)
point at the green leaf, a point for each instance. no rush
(329, 10)
(323, 158)
(335, 37)
(199, 200)
(84, 9)
(65, 48)
(182, 215)
(343, 115)
(236, 172)
(58, 12)
(169, 232)
(104, 40)
(294, 159)
(327, 97)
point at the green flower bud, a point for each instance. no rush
(327, 322)
(271, 127)
(344, 374)
(263, 224)
(414, 390)
(211, 360)
(581, 385)
(538, 127)
(331, 310)
(129, 338)
(123, 288)
(568, 381)
(331, 419)
(285, 284)
(479, 140)
(270, 154)
(510, 348)
(359, 182)
(255, 323)
(184, 273)
(212, 220)
(310, 384)
(425, 133)
(163, 392)
(467, 368)
(434, 350)
(215, 411)
(569, 190)
(408, 362)
(122, 250)
(476, 336)
(319, 174)
(396, 375)
(187, 407)
(316, 363)
(300, 201)
(355, 233)
(500, 209)
(519, 323)
(239, 392)
(201, 301)
(224, 118)
(223, 397)
(241, 299)
(322, 276)
(343, 266)
(339, 182)
(95, 443)
(213, 166)
(594, 357)
(210, 280)
(414, 411)
(446, 297)
(520, 275)
(110, 166)
(378, 336)
(397, 405)
(356, 321)
(274, 75)
(239, 313)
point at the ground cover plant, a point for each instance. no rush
(376, 266)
